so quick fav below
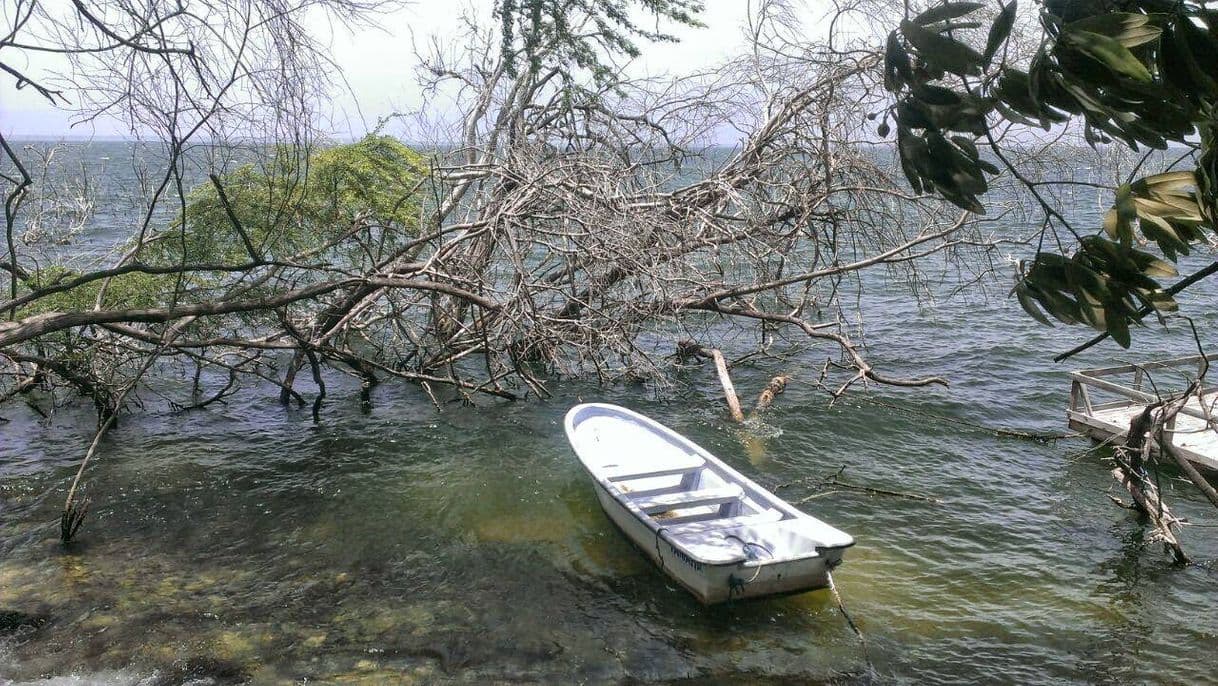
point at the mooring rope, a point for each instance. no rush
(659, 555)
(841, 605)
(736, 584)
(745, 545)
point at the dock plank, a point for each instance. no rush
(1197, 442)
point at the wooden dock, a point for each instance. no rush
(1103, 401)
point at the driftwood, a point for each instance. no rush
(1163, 436)
(1131, 472)
(555, 232)
(74, 511)
(729, 390)
(1147, 501)
(956, 421)
(687, 349)
(776, 386)
(754, 444)
(1187, 467)
(1148, 441)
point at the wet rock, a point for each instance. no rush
(12, 621)
(376, 676)
(233, 646)
(452, 654)
(198, 668)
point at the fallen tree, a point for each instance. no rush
(567, 223)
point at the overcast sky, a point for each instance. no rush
(378, 67)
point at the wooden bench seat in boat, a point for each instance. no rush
(684, 500)
(688, 463)
(765, 517)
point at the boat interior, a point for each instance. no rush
(689, 496)
(711, 518)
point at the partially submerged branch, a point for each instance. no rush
(772, 390)
(692, 349)
(1150, 439)
(834, 481)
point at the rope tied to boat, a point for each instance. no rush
(747, 547)
(736, 584)
(841, 606)
(660, 555)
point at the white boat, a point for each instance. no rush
(714, 531)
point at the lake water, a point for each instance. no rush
(403, 544)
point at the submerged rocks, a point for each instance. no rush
(12, 621)
(213, 670)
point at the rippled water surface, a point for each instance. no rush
(399, 543)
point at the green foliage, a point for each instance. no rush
(348, 205)
(1102, 285)
(1137, 72)
(131, 290)
(291, 205)
(942, 53)
(582, 33)
(375, 177)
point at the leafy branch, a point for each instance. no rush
(1133, 78)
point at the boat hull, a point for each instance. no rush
(717, 583)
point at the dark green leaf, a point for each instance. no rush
(1017, 117)
(1029, 305)
(936, 95)
(1118, 328)
(1109, 52)
(911, 113)
(1128, 29)
(897, 71)
(1177, 68)
(1062, 308)
(951, 192)
(1202, 50)
(966, 144)
(948, 10)
(912, 151)
(1093, 314)
(1087, 281)
(953, 169)
(957, 26)
(999, 31)
(1158, 230)
(942, 52)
